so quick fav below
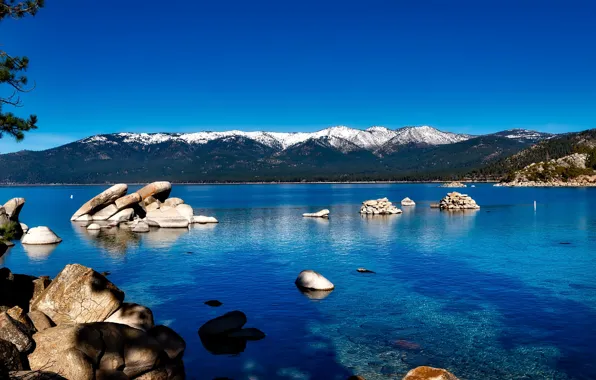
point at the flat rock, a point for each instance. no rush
(159, 190)
(168, 218)
(429, 373)
(319, 214)
(133, 315)
(40, 235)
(127, 201)
(201, 219)
(309, 279)
(77, 295)
(106, 197)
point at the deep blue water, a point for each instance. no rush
(491, 294)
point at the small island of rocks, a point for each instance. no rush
(380, 206)
(457, 201)
(454, 184)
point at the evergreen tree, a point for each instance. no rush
(11, 73)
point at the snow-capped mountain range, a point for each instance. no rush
(340, 137)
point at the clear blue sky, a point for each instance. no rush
(472, 66)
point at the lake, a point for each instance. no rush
(505, 292)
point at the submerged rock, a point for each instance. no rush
(319, 214)
(40, 235)
(364, 270)
(106, 197)
(309, 279)
(213, 303)
(429, 373)
(224, 335)
(234, 320)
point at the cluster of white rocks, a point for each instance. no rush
(457, 201)
(379, 207)
(581, 181)
(150, 206)
(454, 184)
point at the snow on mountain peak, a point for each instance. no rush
(427, 135)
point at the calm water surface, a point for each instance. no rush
(491, 294)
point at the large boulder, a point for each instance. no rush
(106, 197)
(234, 320)
(14, 332)
(127, 201)
(173, 202)
(170, 341)
(20, 316)
(105, 212)
(133, 315)
(186, 211)
(13, 208)
(10, 357)
(407, 202)
(123, 215)
(429, 373)
(69, 350)
(159, 190)
(311, 280)
(77, 295)
(40, 235)
(167, 218)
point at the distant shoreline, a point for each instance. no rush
(247, 183)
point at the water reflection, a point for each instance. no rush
(315, 294)
(163, 237)
(4, 252)
(39, 252)
(114, 240)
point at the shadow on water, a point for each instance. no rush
(528, 315)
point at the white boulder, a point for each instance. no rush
(407, 202)
(40, 235)
(309, 279)
(201, 219)
(319, 214)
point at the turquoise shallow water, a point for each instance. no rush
(491, 294)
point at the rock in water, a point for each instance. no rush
(250, 333)
(429, 373)
(24, 227)
(13, 208)
(168, 218)
(453, 184)
(159, 190)
(122, 215)
(407, 202)
(127, 201)
(201, 219)
(457, 201)
(133, 315)
(234, 320)
(364, 270)
(93, 227)
(79, 295)
(379, 207)
(213, 303)
(106, 197)
(309, 279)
(319, 214)
(186, 211)
(40, 235)
(140, 227)
(106, 212)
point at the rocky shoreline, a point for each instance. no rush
(573, 183)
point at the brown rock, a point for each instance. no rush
(13, 208)
(156, 374)
(39, 285)
(10, 357)
(21, 317)
(141, 352)
(109, 374)
(170, 341)
(35, 375)
(133, 315)
(127, 200)
(159, 190)
(429, 373)
(106, 197)
(79, 294)
(69, 350)
(40, 320)
(13, 332)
